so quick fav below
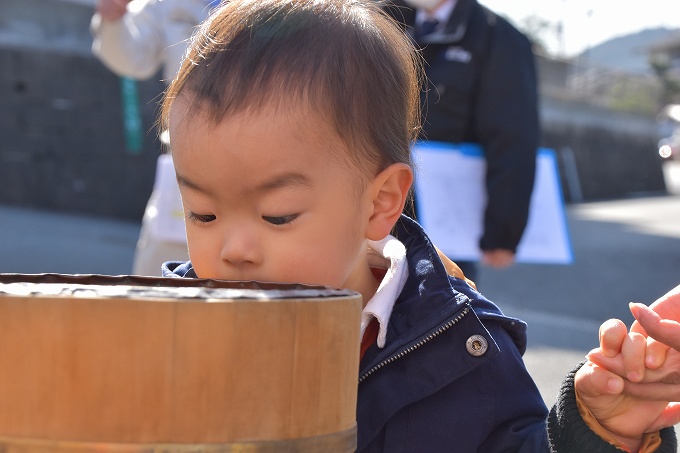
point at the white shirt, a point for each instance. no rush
(389, 254)
(441, 14)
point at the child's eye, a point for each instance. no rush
(200, 218)
(280, 220)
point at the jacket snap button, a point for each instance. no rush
(476, 345)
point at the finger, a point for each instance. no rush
(612, 335)
(633, 351)
(668, 305)
(507, 261)
(655, 391)
(613, 364)
(643, 314)
(636, 327)
(669, 417)
(592, 380)
(656, 354)
(112, 9)
(487, 259)
(508, 258)
(664, 330)
(656, 351)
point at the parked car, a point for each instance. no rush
(669, 126)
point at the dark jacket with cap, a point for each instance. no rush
(451, 377)
(482, 89)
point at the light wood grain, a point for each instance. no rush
(130, 371)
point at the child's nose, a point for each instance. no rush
(240, 246)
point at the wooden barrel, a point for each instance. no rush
(135, 364)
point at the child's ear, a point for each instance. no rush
(389, 189)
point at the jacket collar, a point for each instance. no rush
(427, 298)
(429, 307)
(432, 294)
(427, 275)
(388, 254)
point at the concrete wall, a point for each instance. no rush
(62, 144)
(603, 153)
(614, 153)
(61, 136)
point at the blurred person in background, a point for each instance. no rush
(481, 89)
(136, 39)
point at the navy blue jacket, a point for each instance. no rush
(424, 391)
(482, 88)
(429, 391)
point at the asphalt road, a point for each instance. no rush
(625, 250)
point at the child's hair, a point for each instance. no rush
(346, 59)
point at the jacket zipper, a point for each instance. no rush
(441, 329)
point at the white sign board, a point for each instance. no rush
(451, 199)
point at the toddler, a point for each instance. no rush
(290, 124)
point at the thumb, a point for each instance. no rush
(592, 381)
(669, 417)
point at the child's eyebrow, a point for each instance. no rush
(182, 181)
(283, 180)
(277, 182)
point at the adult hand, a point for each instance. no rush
(111, 9)
(498, 258)
(661, 320)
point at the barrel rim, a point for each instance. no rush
(54, 284)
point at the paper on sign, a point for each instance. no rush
(451, 198)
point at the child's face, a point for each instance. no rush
(266, 200)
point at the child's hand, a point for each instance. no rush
(600, 383)
(615, 341)
(111, 9)
(630, 359)
(625, 417)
